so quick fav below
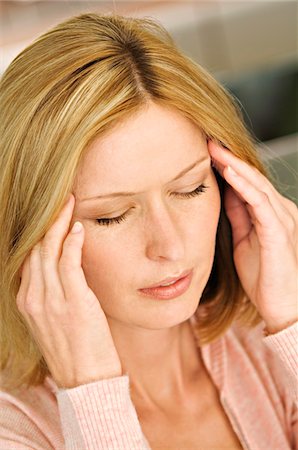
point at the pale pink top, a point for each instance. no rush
(256, 378)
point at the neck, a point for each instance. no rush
(162, 364)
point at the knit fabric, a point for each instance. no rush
(255, 375)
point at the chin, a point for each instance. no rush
(171, 313)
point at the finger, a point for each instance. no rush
(222, 157)
(25, 278)
(34, 302)
(35, 313)
(267, 224)
(238, 216)
(36, 288)
(70, 265)
(26, 298)
(50, 252)
(220, 168)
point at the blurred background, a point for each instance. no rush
(251, 47)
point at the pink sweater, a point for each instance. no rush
(256, 378)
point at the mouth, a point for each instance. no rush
(177, 287)
(169, 280)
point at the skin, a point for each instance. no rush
(162, 236)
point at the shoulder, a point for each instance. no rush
(30, 416)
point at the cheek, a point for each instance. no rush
(203, 239)
(205, 215)
(102, 262)
(213, 211)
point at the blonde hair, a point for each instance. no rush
(74, 83)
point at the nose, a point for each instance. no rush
(164, 239)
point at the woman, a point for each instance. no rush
(92, 355)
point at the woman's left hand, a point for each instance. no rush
(265, 239)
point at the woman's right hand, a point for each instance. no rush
(63, 314)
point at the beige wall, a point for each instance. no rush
(225, 36)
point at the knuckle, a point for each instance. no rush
(31, 306)
(262, 198)
(45, 250)
(36, 249)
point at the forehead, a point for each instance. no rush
(155, 141)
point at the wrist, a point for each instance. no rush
(92, 376)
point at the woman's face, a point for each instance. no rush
(163, 232)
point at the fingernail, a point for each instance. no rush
(77, 227)
(231, 171)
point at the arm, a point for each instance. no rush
(284, 343)
(18, 431)
(95, 416)
(100, 416)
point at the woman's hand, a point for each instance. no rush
(265, 239)
(63, 314)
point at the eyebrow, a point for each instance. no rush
(126, 193)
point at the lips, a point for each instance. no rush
(173, 291)
(169, 280)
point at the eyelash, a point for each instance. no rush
(197, 191)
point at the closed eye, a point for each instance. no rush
(113, 220)
(198, 190)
